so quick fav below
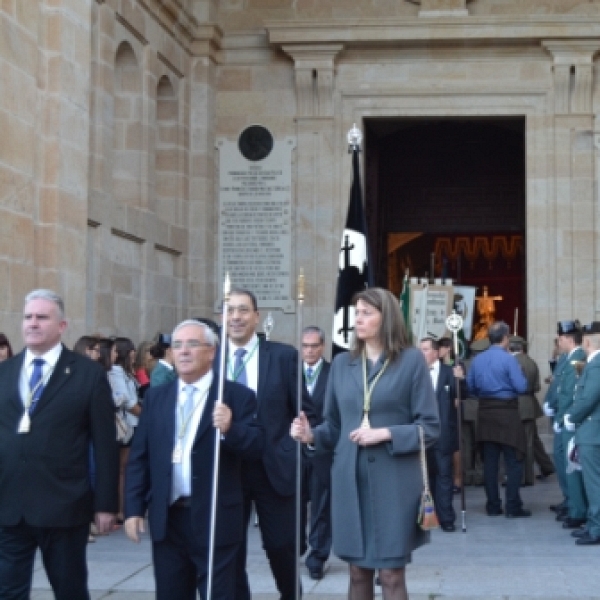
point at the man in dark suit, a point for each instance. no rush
(317, 468)
(53, 404)
(269, 368)
(441, 465)
(170, 470)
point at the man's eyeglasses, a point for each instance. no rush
(178, 344)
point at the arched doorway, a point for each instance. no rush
(449, 194)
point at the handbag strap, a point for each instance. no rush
(423, 460)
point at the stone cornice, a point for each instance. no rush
(173, 17)
(206, 40)
(460, 29)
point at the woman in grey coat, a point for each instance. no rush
(374, 432)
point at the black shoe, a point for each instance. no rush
(562, 515)
(578, 533)
(316, 574)
(494, 513)
(557, 507)
(518, 514)
(447, 527)
(587, 540)
(544, 476)
(570, 523)
(456, 490)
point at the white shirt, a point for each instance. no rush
(251, 365)
(51, 358)
(202, 386)
(434, 372)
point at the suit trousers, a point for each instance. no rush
(441, 484)
(540, 455)
(63, 552)
(181, 562)
(514, 472)
(277, 522)
(578, 503)
(589, 455)
(319, 495)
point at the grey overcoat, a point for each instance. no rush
(402, 398)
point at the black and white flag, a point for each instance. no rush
(353, 274)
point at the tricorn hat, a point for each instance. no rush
(566, 327)
(593, 327)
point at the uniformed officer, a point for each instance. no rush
(585, 415)
(569, 342)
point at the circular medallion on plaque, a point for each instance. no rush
(255, 143)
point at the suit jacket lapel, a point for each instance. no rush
(14, 376)
(356, 371)
(321, 381)
(61, 374)
(264, 357)
(206, 418)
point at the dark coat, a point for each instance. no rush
(529, 407)
(321, 463)
(277, 408)
(585, 411)
(446, 394)
(402, 399)
(149, 469)
(44, 474)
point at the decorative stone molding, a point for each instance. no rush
(314, 64)
(573, 74)
(351, 32)
(443, 8)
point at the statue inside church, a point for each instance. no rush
(486, 309)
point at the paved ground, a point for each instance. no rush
(496, 559)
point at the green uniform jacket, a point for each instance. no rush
(566, 386)
(585, 412)
(551, 395)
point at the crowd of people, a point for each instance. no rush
(114, 435)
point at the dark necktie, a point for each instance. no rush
(239, 368)
(36, 384)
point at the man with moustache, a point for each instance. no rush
(171, 464)
(54, 404)
(317, 468)
(269, 368)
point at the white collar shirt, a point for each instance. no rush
(592, 355)
(200, 395)
(251, 358)
(434, 372)
(315, 369)
(50, 359)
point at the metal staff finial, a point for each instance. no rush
(268, 325)
(217, 449)
(354, 139)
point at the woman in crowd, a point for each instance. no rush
(142, 367)
(124, 386)
(5, 348)
(163, 371)
(378, 397)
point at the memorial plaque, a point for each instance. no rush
(430, 306)
(255, 215)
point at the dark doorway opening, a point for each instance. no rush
(452, 192)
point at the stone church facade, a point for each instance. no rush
(110, 110)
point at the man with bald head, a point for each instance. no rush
(170, 470)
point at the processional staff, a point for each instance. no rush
(217, 452)
(454, 323)
(299, 390)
